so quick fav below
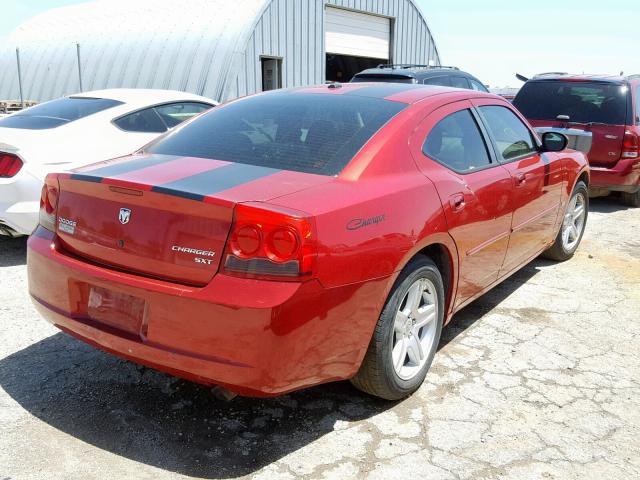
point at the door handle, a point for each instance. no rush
(520, 179)
(457, 202)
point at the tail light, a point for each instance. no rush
(270, 243)
(10, 165)
(49, 202)
(630, 145)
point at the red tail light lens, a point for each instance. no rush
(49, 202)
(10, 165)
(630, 145)
(270, 242)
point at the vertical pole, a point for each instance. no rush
(19, 77)
(79, 67)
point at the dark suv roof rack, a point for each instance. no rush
(413, 65)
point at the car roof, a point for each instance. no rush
(411, 71)
(408, 93)
(135, 97)
(585, 77)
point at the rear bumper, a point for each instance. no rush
(254, 337)
(20, 202)
(624, 176)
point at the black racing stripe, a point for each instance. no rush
(383, 90)
(198, 186)
(128, 166)
(85, 178)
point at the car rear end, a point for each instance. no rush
(599, 106)
(19, 189)
(185, 263)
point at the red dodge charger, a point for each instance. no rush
(304, 236)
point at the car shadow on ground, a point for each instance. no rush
(179, 426)
(13, 251)
(609, 204)
(469, 315)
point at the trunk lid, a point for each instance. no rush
(163, 216)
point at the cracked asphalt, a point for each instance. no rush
(539, 379)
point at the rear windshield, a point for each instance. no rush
(375, 77)
(312, 133)
(57, 112)
(582, 102)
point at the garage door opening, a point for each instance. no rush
(341, 68)
(354, 41)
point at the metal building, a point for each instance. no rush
(217, 48)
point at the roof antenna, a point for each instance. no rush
(622, 73)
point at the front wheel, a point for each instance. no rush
(573, 225)
(407, 334)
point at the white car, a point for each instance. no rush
(78, 130)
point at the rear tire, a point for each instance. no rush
(631, 199)
(407, 334)
(573, 226)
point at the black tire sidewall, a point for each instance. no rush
(418, 268)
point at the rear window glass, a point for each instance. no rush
(374, 77)
(311, 133)
(582, 102)
(57, 112)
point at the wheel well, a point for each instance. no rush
(584, 178)
(442, 258)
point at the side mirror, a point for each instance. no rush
(554, 142)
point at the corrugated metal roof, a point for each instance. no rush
(123, 43)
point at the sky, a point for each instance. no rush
(494, 39)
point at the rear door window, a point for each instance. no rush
(456, 142)
(459, 82)
(441, 81)
(477, 86)
(512, 137)
(313, 133)
(582, 102)
(57, 112)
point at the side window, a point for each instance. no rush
(477, 86)
(512, 137)
(441, 81)
(175, 113)
(146, 121)
(459, 82)
(456, 142)
(637, 119)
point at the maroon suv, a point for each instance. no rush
(606, 106)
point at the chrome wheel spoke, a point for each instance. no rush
(399, 353)
(400, 322)
(414, 350)
(578, 212)
(414, 296)
(425, 315)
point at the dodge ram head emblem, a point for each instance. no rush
(125, 215)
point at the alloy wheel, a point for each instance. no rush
(414, 329)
